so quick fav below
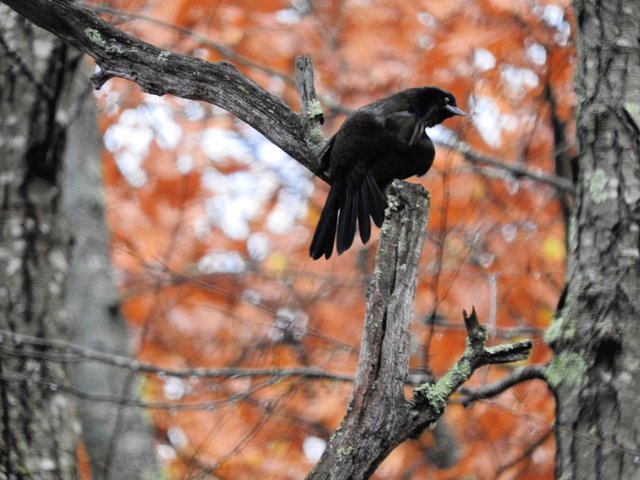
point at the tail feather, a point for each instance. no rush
(347, 220)
(349, 207)
(376, 198)
(364, 212)
(323, 237)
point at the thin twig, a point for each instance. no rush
(518, 375)
(67, 352)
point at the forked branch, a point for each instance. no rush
(379, 417)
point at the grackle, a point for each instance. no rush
(381, 141)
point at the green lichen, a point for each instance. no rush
(567, 369)
(113, 49)
(563, 327)
(434, 395)
(314, 109)
(344, 452)
(498, 349)
(95, 36)
(632, 108)
(316, 141)
(438, 393)
(597, 183)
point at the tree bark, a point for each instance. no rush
(118, 439)
(379, 417)
(596, 332)
(38, 428)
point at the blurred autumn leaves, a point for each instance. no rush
(211, 225)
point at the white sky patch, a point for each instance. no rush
(288, 16)
(489, 121)
(313, 447)
(129, 141)
(509, 232)
(287, 210)
(426, 19)
(219, 144)
(192, 110)
(537, 53)
(242, 196)
(518, 79)
(160, 117)
(258, 246)
(177, 437)
(279, 220)
(483, 59)
(174, 388)
(165, 452)
(184, 164)
(239, 197)
(222, 262)
(554, 17)
(440, 133)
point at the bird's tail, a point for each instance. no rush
(348, 204)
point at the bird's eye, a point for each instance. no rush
(446, 99)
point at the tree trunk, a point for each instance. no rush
(55, 269)
(38, 429)
(118, 439)
(596, 333)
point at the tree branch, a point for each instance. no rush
(159, 72)
(517, 171)
(518, 375)
(429, 399)
(379, 417)
(15, 344)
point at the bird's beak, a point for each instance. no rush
(417, 130)
(454, 110)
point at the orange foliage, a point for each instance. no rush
(210, 281)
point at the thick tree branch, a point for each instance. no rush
(379, 417)
(159, 71)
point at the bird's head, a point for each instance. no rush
(435, 105)
(432, 106)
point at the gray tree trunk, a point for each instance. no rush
(596, 332)
(118, 439)
(38, 428)
(55, 272)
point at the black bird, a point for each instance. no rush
(377, 143)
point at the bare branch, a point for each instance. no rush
(518, 171)
(518, 375)
(159, 72)
(13, 344)
(57, 386)
(429, 399)
(312, 116)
